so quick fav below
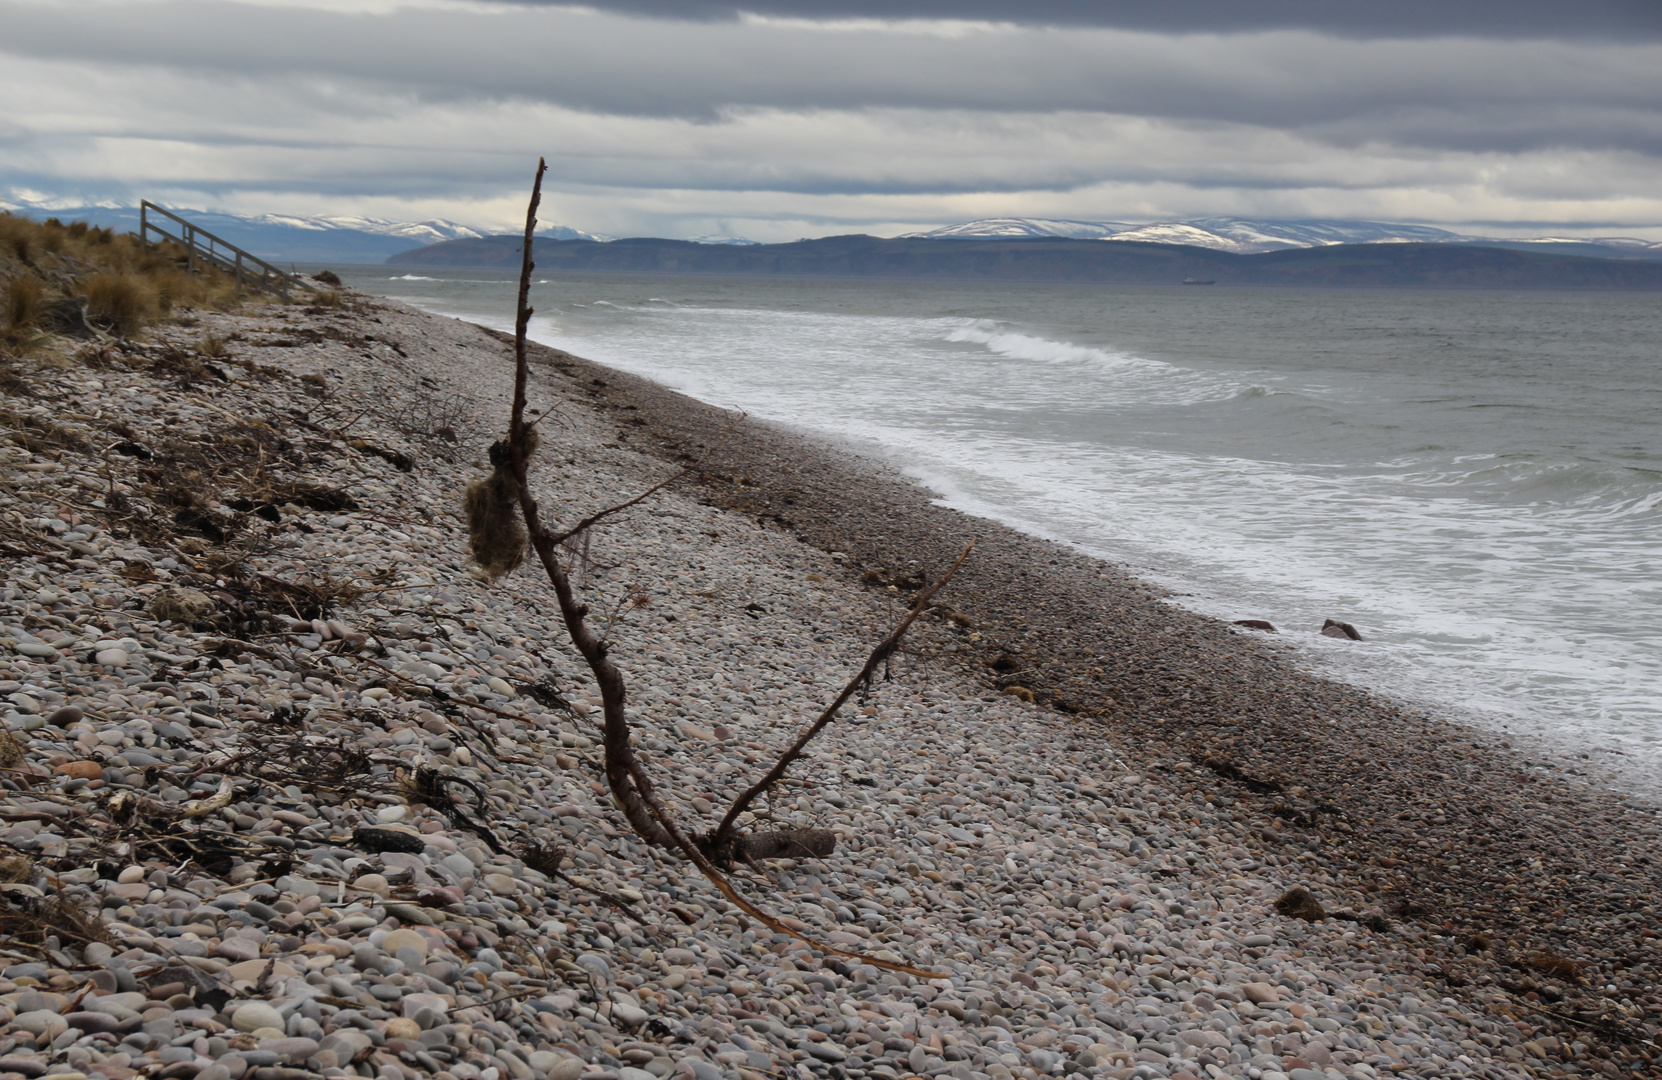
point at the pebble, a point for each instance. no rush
(255, 1015)
(405, 939)
(1087, 914)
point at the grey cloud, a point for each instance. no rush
(1420, 93)
(1504, 19)
(649, 121)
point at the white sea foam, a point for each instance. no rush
(1412, 489)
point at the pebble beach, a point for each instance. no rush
(290, 791)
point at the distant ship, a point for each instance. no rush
(1199, 281)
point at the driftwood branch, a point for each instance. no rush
(615, 724)
(630, 785)
(722, 839)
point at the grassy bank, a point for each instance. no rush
(62, 283)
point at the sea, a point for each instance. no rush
(1473, 479)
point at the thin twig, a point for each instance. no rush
(882, 652)
(709, 870)
(600, 515)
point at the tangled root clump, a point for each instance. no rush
(496, 535)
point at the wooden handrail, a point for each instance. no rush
(201, 244)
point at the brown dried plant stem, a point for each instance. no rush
(722, 839)
(615, 724)
(631, 787)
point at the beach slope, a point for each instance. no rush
(293, 793)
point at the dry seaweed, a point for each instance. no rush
(1297, 903)
(544, 856)
(31, 920)
(496, 535)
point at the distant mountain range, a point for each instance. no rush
(288, 238)
(1251, 236)
(1405, 264)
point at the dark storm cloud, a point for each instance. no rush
(790, 114)
(1437, 93)
(1551, 19)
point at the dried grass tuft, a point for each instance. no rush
(11, 751)
(1559, 967)
(123, 302)
(32, 921)
(25, 303)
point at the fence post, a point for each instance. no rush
(196, 251)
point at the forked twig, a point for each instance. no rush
(885, 648)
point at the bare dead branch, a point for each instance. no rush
(615, 724)
(710, 871)
(630, 785)
(722, 838)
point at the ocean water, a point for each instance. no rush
(1473, 479)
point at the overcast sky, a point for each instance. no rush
(791, 118)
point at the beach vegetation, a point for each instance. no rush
(214, 347)
(123, 303)
(66, 281)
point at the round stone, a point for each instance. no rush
(256, 1015)
(401, 939)
(565, 1068)
(628, 1015)
(112, 657)
(373, 883)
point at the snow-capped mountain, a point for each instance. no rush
(566, 232)
(1241, 235)
(716, 238)
(1249, 236)
(421, 232)
(292, 237)
(987, 228)
(1246, 236)
(1624, 243)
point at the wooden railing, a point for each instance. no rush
(202, 246)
